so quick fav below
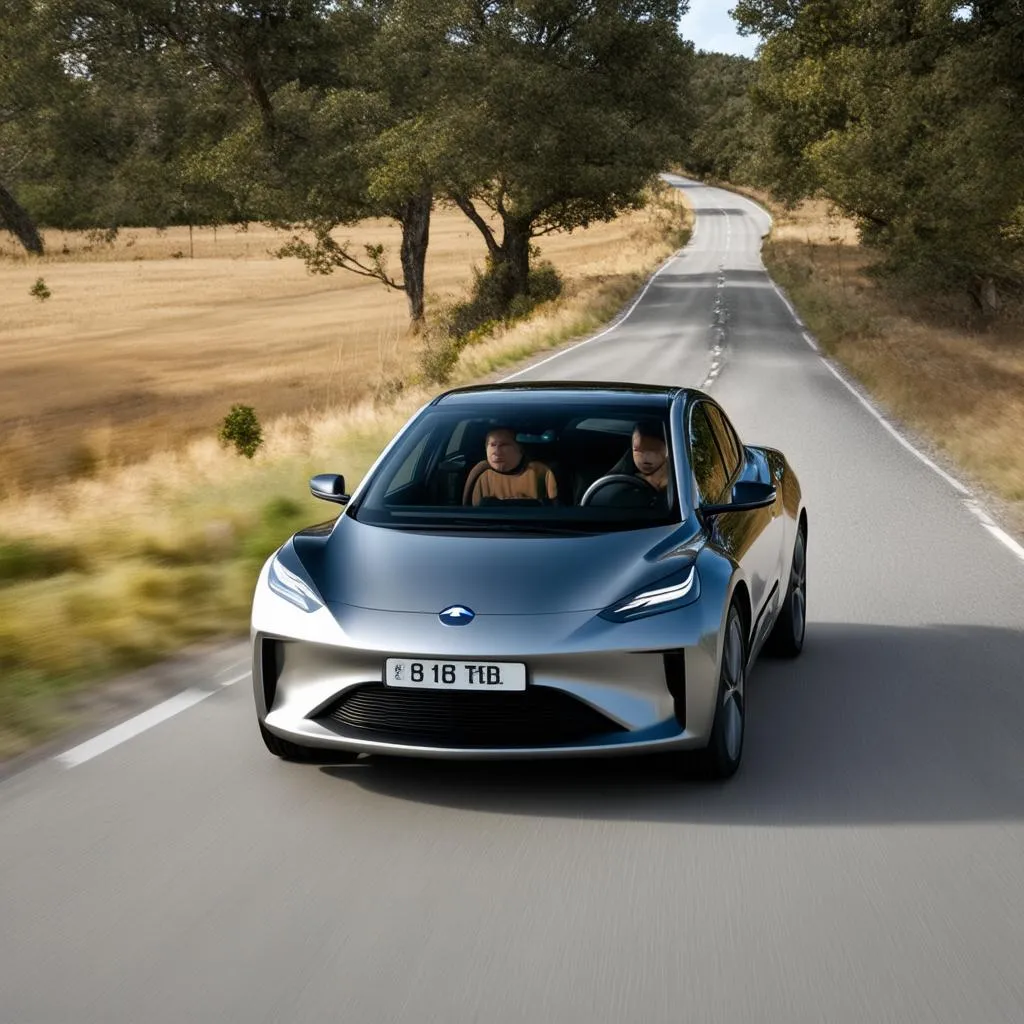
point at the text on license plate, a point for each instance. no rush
(417, 673)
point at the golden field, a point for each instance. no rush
(114, 570)
(142, 347)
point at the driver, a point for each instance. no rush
(507, 474)
(650, 454)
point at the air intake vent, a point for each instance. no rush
(536, 717)
(675, 680)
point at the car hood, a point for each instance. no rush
(404, 571)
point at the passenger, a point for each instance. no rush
(506, 474)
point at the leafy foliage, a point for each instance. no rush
(724, 140)
(241, 428)
(574, 108)
(910, 117)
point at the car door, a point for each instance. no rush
(765, 545)
(719, 457)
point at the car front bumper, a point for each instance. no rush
(594, 688)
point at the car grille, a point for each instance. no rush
(535, 717)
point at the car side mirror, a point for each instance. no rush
(747, 496)
(329, 487)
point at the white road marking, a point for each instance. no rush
(126, 730)
(230, 668)
(994, 528)
(952, 481)
(247, 674)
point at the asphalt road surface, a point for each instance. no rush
(866, 865)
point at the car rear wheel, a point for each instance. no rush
(787, 636)
(303, 755)
(721, 758)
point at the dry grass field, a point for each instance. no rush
(114, 570)
(931, 364)
(145, 343)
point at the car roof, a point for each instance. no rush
(654, 396)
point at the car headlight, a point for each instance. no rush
(665, 596)
(292, 587)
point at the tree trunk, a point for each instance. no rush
(514, 255)
(258, 94)
(414, 216)
(15, 219)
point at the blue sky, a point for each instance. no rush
(708, 24)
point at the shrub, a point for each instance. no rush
(489, 305)
(242, 429)
(22, 559)
(438, 357)
(39, 290)
(279, 519)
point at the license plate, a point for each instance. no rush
(418, 674)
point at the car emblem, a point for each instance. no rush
(457, 615)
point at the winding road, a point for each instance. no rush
(866, 865)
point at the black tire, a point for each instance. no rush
(721, 758)
(303, 755)
(786, 639)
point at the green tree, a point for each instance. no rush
(33, 87)
(725, 136)
(387, 164)
(910, 117)
(329, 90)
(557, 114)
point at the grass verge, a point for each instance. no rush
(116, 571)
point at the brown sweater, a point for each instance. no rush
(531, 480)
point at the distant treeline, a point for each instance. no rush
(539, 115)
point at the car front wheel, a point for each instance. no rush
(721, 758)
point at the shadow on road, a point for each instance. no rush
(871, 725)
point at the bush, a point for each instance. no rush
(438, 356)
(489, 306)
(242, 429)
(39, 290)
(27, 560)
(279, 519)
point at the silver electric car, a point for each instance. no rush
(536, 570)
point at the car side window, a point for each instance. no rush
(726, 439)
(705, 458)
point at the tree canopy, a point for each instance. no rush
(910, 118)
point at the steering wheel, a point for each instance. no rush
(636, 482)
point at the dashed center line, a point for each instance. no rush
(720, 315)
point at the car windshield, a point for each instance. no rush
(527, 467)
